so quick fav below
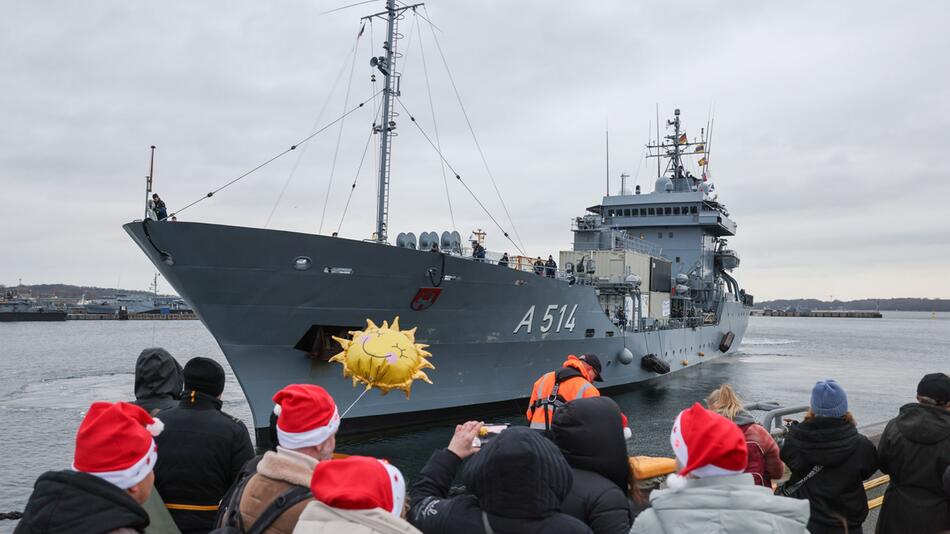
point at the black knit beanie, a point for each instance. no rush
(204, 375)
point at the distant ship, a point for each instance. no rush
(646, 286)
(16, 308)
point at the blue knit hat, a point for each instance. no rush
(828, 399)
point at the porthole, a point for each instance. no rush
(302, 263)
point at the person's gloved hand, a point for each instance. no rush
(462, 442)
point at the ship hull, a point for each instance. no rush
(243, 285)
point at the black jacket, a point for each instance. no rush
(589, 433)
(158, 380)
(915, 451)
(200, 453)
(848, 458)
(68, 501)
(518, 480)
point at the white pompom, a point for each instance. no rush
(676, 482)
(156, 427)
(277, 410)
(627, 433)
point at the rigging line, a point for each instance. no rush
(274, 158)
(435, 128)
(420, 14)
(347, 7)
(339, 135)
(404, 56)
(316, 123)
(459, 177)
(472, 131)
(349, 197)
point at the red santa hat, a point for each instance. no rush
(115, 443)
(707, 445)
(359, 483)
(306, 416)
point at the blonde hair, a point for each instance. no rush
(725, 402)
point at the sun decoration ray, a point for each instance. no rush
(383, 357)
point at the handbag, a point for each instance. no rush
(786, 490)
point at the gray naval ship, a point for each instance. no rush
(646, 286)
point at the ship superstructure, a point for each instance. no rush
(645, 287)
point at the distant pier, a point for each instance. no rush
(819, 313)
(181, 316)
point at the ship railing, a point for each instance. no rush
(559, 274)
(638, 245)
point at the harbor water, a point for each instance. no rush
(51, 372)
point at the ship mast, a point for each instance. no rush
(386, 64)
(674, 149)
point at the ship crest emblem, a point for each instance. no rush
(425, 298)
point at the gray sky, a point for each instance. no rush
(831, 126)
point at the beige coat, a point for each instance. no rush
(276, 473)
(319, 518)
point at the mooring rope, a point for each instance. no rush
(11, 515)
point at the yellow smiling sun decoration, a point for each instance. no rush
(383, 357)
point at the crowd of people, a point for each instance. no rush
(172, 461)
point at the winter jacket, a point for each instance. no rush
(158, 380)
(721, 505)
(836, 493)
(200, 453)
(573, 382)
(69, 501)
(277, 472)
(758, 437)
(318, 518)
(516, 484)
(589, 433)
(915, 451)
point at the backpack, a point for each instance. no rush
(756, 465)
(229, 520)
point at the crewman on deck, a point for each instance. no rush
(574, 380)
(550, 267)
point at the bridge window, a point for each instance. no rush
(692, 209)
(651, 211)
(659, 235)
(671, 235)
(677, 259)
(634, 212)
(610, 213)
(676, 210)
(626, 212)
(667, 210)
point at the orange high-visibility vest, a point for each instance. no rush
(549, 393)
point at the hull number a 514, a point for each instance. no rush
(555, 317)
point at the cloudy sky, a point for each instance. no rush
(831, 123)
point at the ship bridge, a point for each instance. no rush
(693, 208)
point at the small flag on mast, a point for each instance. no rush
(700, 148)
(702, 162)
(683, 138)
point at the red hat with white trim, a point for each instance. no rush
(359, 483)
(707, 445)
(115, 443)
(306, 416)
